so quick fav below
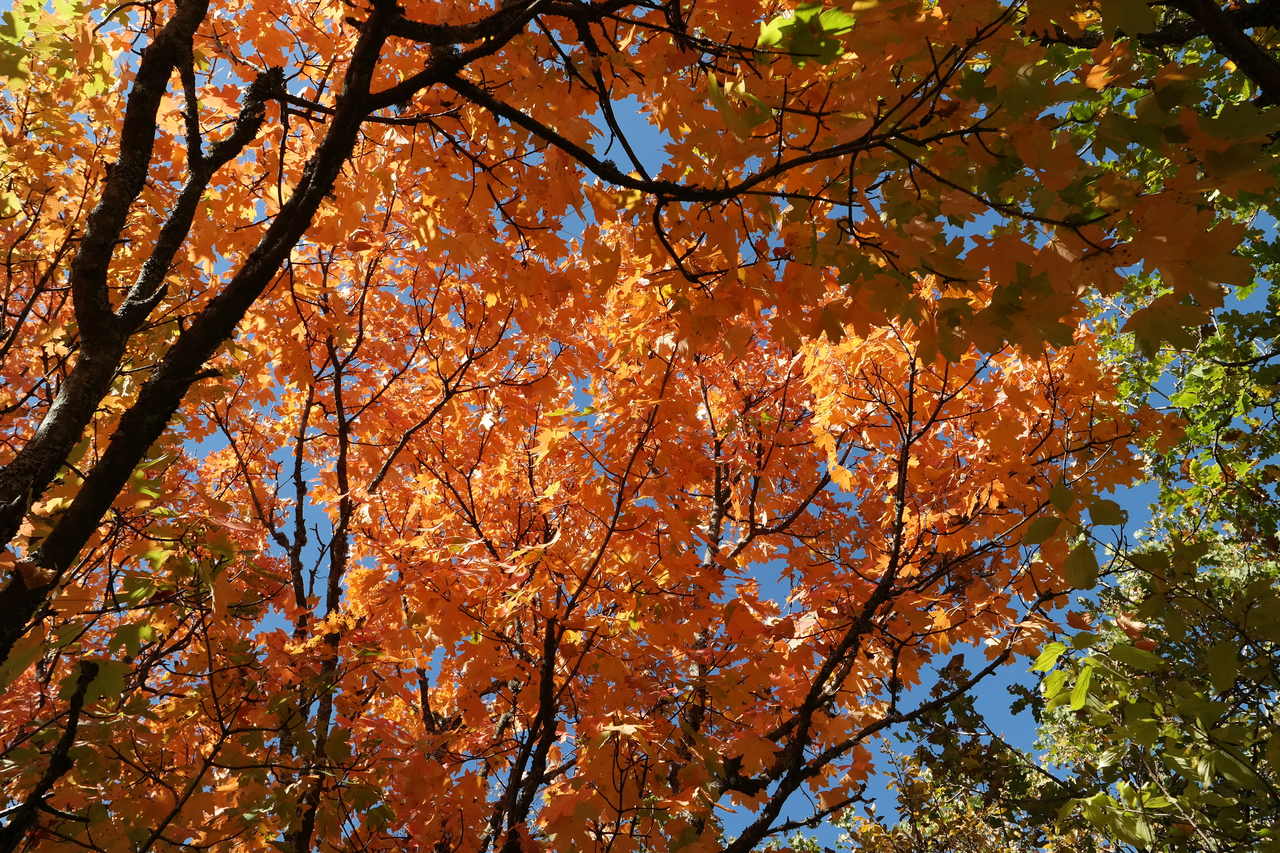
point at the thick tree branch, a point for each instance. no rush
(145, 421)
(889, 126)
(125, 180)
(1179, 32)
(91, 378)
(1257, 64)
(1225, 27)
(497, 24)
(103, 338)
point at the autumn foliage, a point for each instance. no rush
(386, 467)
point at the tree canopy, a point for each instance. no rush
(394, 454)
(1157, 706)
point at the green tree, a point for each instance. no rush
(1158, 709)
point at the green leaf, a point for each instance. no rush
(1053, 683)
(1049, 657)
(803, 45)
(1136, 658)
(1139, 830)
(806, 12)
(379, 816)
(1233, 770)
(15, 25)
(1222, 662)
(338, 745)
(361, 797)
(1107, 512)
(1061, 497)
(811, 32)
(1203, 710)
(1144, 730)
(1243, 120)
(1080, 693)
(1084, 640)
(1153, 562)
(11, 67)
(771, 33)
(1131, 17)
(132, 637)
(1081, 568)
(835, 20)
(138, 588)
(108, 682)
(24, 652)
(740, 121)
(1041, 529)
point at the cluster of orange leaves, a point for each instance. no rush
(486, 506)
(685, 528)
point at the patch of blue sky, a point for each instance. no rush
(647, 141)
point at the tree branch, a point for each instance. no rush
(1257, 64)
(60, 762)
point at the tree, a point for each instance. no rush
(1184, 685)
(1157, 726)
(515, 446)
(933, 817)
(1160, 715)
(583, 645)
(1183, 682)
